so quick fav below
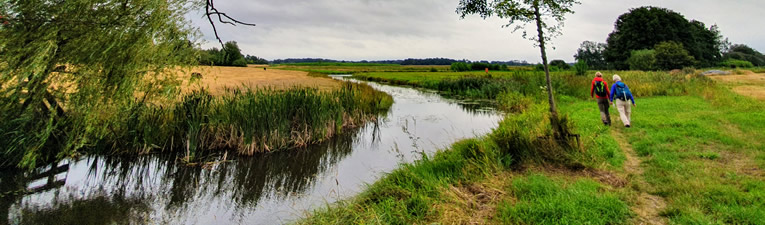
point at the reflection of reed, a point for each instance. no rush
(158, 178)
(13, 188)
(482, 108)
(100, 208)
(474, 107)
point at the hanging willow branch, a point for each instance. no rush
(211, 11)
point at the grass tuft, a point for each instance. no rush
(541, 200)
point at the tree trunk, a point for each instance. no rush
(540, 32)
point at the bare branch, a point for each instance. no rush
(210, 10)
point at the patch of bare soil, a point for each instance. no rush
(648, 206)
(217, 78)
(473, 203)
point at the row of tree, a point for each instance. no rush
(251, 59)
(463, 66)
(230, 55)
(651, 38)
(409, 61)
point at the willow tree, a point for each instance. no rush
(521, 13)
(65, 65)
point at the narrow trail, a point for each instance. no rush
(648, 206)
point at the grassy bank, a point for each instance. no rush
(694, 146)
(704, 156)
(531, 83)
(200, 124)
(475, 177)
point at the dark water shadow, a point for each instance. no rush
(269, 188)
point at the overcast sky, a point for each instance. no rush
(399, 29)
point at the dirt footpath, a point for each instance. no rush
(752, 85)
(217, 78)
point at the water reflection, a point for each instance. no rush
(264, 189)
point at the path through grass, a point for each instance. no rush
(703, 159)
(693, 156)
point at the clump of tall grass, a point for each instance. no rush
(541, 200)
(527, 136)
(407, 195)
(199, 124)
(250, 121)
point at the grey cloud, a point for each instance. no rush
(394, 29)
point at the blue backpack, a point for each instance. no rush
(622, 92)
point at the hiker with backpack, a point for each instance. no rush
(599, 90)
(619, 95)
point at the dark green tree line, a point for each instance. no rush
(745, 53)
(591, 53)
(645, 27)
(231, 55)
(251, 59)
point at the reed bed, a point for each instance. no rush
(240, 121)
(250, 121)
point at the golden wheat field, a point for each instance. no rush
(749, 84)
(217, 78)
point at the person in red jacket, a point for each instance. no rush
(599, 90)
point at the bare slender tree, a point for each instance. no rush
(520, 13)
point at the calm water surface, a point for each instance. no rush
(269, 188)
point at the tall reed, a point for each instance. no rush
(200, 124)
(249, 121)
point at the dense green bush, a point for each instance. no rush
(479, 66)
(642, 60)
(239, 62)
(645, 27)
(483, 66)
(734, 63)
(560, 64)
(540, 67)
(745, 53)
(460, 67)
(581, 68)
(592, 53)
(230, 56)
(671, 55)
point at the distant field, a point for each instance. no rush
(750, 84)
(217, 79)
(421, 78)
(336, 64)
(348, 68)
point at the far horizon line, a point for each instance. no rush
(392, 61)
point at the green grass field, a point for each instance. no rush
(697, 147)
(705, 160)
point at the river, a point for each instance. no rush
(270, 188)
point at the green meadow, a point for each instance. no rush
(693, 156)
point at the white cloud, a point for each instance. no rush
(397, 29)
